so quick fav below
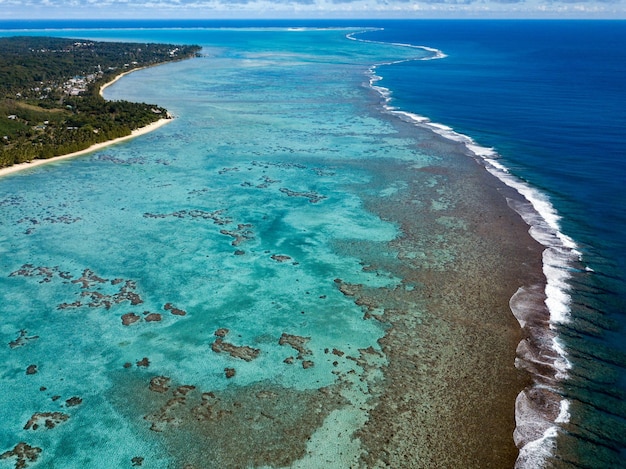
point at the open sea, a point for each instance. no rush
(307, 268)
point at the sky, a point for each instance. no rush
(216, 9)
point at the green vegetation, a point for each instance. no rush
(50, 102)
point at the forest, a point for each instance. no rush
(50, 102)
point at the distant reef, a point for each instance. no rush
(50, 101)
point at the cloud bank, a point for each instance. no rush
(115, 9)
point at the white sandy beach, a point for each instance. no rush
(98, 146)
(106, 85)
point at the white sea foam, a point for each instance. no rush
(535, 435)
(435, 53)
(542, 354)
(562, 364)
(526, 304)
(536, 453)
(564, 415)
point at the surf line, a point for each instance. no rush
(437, 54)
(541, 408)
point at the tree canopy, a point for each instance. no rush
(50, 102)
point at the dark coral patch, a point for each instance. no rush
(243, 352)
(24, 453)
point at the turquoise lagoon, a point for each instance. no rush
(215, 293)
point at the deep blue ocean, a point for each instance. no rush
(546, 102)
(550, 98)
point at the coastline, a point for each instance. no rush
(120, 76)
(98, 146)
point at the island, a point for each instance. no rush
(50, 94)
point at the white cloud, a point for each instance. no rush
(310, 8)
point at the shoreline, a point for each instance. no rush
(95, 147)
(120, 76)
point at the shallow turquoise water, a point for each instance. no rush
(180, 226)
